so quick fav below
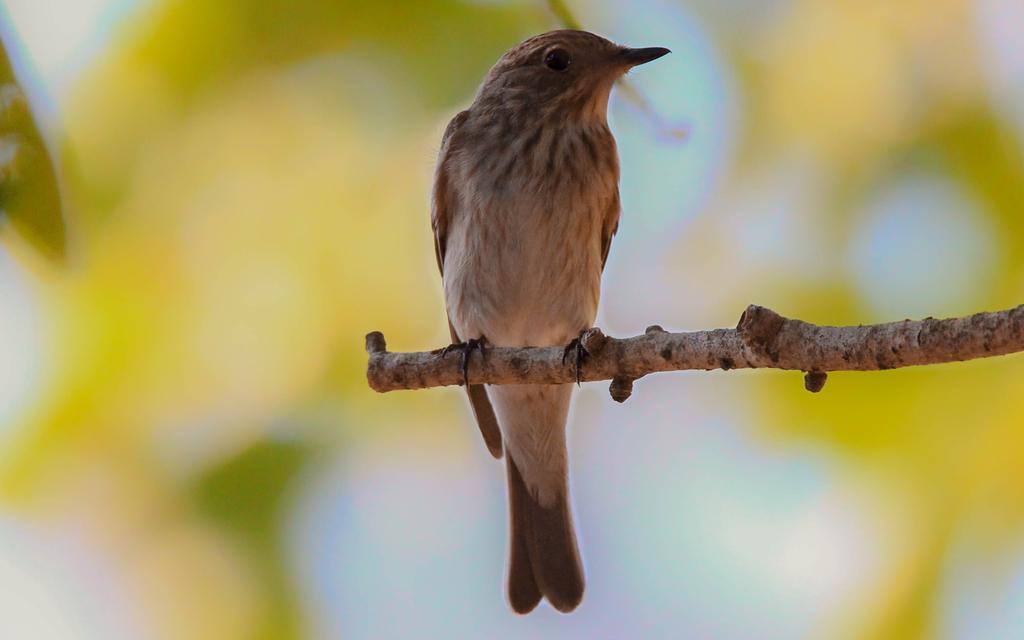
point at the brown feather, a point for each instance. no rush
(546, 537)
(440, 212)
(523, 592)
(610, 226)
(483, 411)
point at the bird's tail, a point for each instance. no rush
(543, 557)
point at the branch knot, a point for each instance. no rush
(759, 327)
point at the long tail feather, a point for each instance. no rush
(544, 559)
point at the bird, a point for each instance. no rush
(524, 207)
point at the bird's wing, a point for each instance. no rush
(442, 204)
(443, 207)
(610, 226)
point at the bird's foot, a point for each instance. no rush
(466, 349)
(580, 353)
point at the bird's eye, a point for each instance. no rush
(557, 60)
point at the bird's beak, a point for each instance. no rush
(634, 57)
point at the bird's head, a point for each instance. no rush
(562, 71)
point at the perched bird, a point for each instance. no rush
(525, 204)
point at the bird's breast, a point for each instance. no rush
(523, 259)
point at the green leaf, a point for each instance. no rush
(30, 200)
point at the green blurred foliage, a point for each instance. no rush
(230, 37)
(29, 193)
(564, 14)
(194, 49)
(249, 494)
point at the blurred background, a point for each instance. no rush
(188, 448)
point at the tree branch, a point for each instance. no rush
(762, 339)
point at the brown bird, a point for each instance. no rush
(525, 204)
